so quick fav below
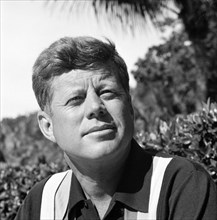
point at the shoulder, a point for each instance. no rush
(30, 208)
(187, 188)
(185, 167)
(174, 166)
(181, 164)
(36, 190)
(182, 172)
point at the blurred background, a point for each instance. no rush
(170, 48)
(28, 27)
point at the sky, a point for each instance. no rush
(28, 27)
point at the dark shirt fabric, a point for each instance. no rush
(187, 192)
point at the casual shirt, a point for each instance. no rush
(187, 192)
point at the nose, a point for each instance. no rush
(94, 106)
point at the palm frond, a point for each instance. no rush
(126, 10)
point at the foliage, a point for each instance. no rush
(199, 18)
(173, 79)
(193, 136)
(169, 81)
(195, 15)
(22, 142)
(16, 181)
(27, 157)
(130, 13)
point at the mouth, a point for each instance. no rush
(104, 127)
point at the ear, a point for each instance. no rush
(46, 125)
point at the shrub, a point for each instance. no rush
(16, 181)
(193, 136)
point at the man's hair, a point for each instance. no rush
(79, 53)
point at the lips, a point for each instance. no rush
(100, 128)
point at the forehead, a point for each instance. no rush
(79, 77)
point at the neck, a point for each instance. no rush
(99, 180)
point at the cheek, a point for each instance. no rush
(128, 115)
(64, 128)
(124, 114)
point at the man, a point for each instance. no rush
(82, 87)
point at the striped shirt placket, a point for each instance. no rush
(159, 167)
(56, 192)
(55, 196)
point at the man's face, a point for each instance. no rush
(92, 116)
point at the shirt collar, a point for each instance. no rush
(134, 187)
(76, 193)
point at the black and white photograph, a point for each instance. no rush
(108, 110)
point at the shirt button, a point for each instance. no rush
(86, 204)
(122, 211)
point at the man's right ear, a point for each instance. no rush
(46, 125)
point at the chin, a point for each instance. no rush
(104, 149)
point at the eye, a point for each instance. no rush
(108, 94)
(76, 100)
